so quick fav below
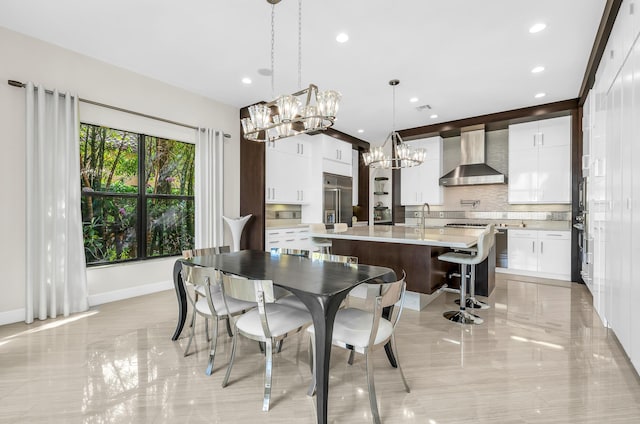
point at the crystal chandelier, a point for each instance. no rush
(402, 155)
(304, 111)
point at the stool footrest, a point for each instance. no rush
(462, 317)
(473, 303)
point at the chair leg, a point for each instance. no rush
(312, 355)
(352, 353)
(206, 329)
(191, 333)
(395, 350)
(229, 332)
(212, 351)
(268, 369)
(372, 389)
(233, 355)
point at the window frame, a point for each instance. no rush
(142, 198)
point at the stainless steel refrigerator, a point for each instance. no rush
(337, 199)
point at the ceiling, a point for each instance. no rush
(463, 58)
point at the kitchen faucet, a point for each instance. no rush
(424, 217)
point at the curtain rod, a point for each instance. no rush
(19, 84)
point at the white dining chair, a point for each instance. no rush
(199, 290)
(362, 329)
(285, 297)
(211, 305)
(269, 323)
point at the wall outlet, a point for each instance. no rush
(441, 214)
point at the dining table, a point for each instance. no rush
(321, 286)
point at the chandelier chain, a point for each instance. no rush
(393, 123)
(299, 44)
(273, 42)
(305, 111)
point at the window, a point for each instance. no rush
(137, 195)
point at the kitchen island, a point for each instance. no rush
(413, 250)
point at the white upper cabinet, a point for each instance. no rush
(540, 161)
(288, 171)
(334, 149)
(336, 156)
(421, 184)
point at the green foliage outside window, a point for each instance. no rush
(126, 217)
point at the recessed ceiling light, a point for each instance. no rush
(434, 116)
(537, 28)
(537, 69)
(360, 131)
(246, 80)
(342, 37)
(413, 99)
(540, 95)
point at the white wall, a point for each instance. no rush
(27, 59)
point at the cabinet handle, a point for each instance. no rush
(534, 139)
(302, 195)
(302, 149)
(298, 148)
(533, 247)
(541, 247)
(542, 139)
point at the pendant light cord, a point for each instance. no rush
(299, 44)
(273, 42)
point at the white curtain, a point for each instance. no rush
(56, 271)
(209, 188)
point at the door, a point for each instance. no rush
(331, 205)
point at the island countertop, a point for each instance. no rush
(455, 238)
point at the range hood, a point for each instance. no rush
(472, 169)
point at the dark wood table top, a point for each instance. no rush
(296, 273)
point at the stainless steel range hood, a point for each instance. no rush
(472, 169)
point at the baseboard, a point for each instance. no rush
(11, 317)
(418, 301)
(18, 315)
(536, 274)
(113, 296)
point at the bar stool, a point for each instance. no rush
(466, 259)
(323, 243)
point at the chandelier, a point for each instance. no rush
(402, 155)
(305, 111)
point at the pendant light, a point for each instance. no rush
(402, 155)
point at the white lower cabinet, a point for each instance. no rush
(290, 238)
(543, 253)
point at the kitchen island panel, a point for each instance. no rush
(425, 273)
